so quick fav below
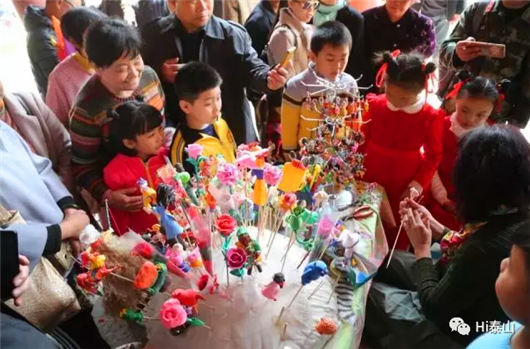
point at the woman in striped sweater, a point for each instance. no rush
(113, 47)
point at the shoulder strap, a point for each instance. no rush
(292, 32)
(483, 7)
(22, 102)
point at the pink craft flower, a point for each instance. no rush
(227, 174)
(325, 227)
(272, 175)
(172, 314)
(236, 258)
(194, 150)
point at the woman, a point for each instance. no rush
(113, 47)
(27, 114)
(396, 26)
(70, 75)
(292, 30)
(492, 181)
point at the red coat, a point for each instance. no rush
(445, 171)
(400, 148)
(123, 172)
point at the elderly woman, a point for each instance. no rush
(492, 181)
(113, 47)
(27, 114)
(395, 26)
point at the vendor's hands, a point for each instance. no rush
(73, 224)
(418, 228)
(276, 78)
(467, 51)
(170, 69)
(21, 281)
(126, 199)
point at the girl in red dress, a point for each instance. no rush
(137, 135)
(403, 134)
(476, 99)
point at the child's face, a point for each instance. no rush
(513, 286)
(473, 112)
(400, 97)
(205, 109)
(148, 144)
(331, 61)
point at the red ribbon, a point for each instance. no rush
(380, 77)
(456, 89)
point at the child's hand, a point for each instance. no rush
(276, 78)
(124, 199)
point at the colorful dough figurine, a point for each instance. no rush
(151, 277)
(188, 298)
(148, 195)
(313, 271)
(251, 247)
(166, 197)
(272, 290)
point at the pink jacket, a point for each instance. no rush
(43, 131)
(64, 82)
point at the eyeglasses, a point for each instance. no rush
(306, 5)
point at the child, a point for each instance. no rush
(66, 80)
(198, 89)
(137, 135)
(398, 125)
(513, 291)
(476, 99)
(330, 49)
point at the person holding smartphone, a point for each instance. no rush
(501, 22)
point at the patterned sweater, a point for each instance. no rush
(89, 127)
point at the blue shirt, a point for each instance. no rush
(490, 340)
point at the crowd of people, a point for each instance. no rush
(123, 89)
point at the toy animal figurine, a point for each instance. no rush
(90, 280)
(188, 298)
(92, 261)
(166, 197)
(151, 277)
(251, 247)
(132, 315)
(148, 195)
(272, 290)
(349, 240)
(313, 271)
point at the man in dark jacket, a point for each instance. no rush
(259, 23)
(442, 13)
(193, 34)
(42, 41)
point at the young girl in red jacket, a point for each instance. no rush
(137, 134)
(403, 134)
(475, 99)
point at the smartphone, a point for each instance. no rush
(9, 263)
(490, 49)
(288, 57)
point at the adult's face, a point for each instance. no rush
(193, 14)
(123, 76)
(303, 10)
(62, 6)
(396, 9)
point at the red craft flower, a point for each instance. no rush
(236, 258)
(172, 314)
(287, 201)
(225, 225)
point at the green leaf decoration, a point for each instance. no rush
(238, 272)
(226, 243)
(193, 321)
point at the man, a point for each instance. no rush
(193, 34)
(45, 42)
(442, 13)
(259, 23)
(503, 22)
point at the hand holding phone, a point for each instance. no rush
(490, 49)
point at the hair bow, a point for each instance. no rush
(380, 77)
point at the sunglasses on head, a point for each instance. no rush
(310, 4)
